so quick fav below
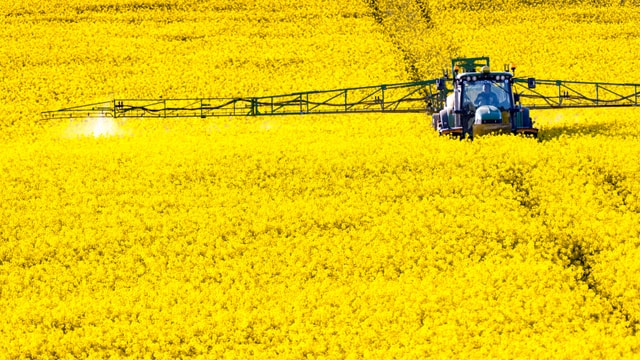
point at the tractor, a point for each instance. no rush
(480, 101)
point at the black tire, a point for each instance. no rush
(444, 115)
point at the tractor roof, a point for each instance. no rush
(462, 65)
(473, 76)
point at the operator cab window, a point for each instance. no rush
(478, 93)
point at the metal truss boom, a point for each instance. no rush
(556, 94)
(418, 96)
(411, 97)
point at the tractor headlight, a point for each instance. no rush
(474, 78)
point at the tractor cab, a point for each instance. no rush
(485, 101)
(482, 102)
(488, 93)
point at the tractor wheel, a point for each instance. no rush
(435, 120)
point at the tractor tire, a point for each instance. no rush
(435, 121)
(444, 119)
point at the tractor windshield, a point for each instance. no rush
(486, 92)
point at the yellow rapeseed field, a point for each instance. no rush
(322, 237)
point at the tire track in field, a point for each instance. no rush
(404, 22)
(581, 258)
(576, 254)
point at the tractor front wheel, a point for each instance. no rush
(435, 120)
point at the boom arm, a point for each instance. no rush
(554, 94)
(418, 96)
(427, 96)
